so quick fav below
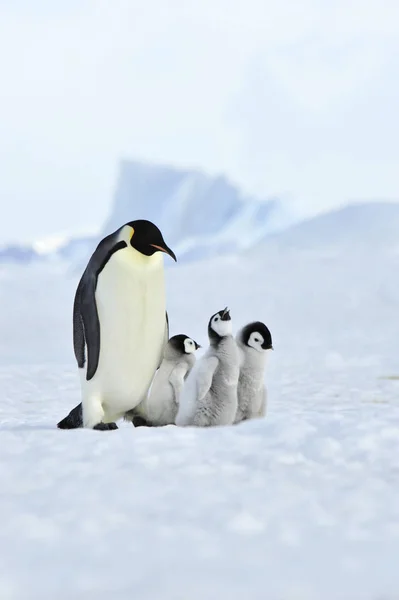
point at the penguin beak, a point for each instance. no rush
(226, 315)
(166, 250)
(264, 347)
(197, 345)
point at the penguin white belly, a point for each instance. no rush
(130, 298)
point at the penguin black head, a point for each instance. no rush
(147, 238)
(257, 336)
(183, 344)
(219, 325)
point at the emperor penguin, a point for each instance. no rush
(160, 406)
(254, 341)
(209, 396)
(120, 324)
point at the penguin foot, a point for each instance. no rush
(140, 422)
(72, 421)
(105, 426)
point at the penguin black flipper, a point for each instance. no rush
(86, 324)
(78, 330)
(91, 324)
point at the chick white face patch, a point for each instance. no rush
(189, 346)
(220, 327)
(255, 341)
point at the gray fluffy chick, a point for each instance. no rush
(254, 340)
(209, 396)
(161, 405)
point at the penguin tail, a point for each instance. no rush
(74, 420)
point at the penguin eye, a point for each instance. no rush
(256, 339)
(216, 319)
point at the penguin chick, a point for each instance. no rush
(161, 405)
(254, 340)
(209, 396)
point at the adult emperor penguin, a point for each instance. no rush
(254, 340)
(160, 406)
(120, 324)
(209, 397)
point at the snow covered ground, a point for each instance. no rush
(301, 506)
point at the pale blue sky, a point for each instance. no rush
(286, 97)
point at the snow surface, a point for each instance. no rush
(303, 505)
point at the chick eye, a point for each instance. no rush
(256, 339)
(216, 318)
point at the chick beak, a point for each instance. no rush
(197, 346)
(166, 250)
(225, 315)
